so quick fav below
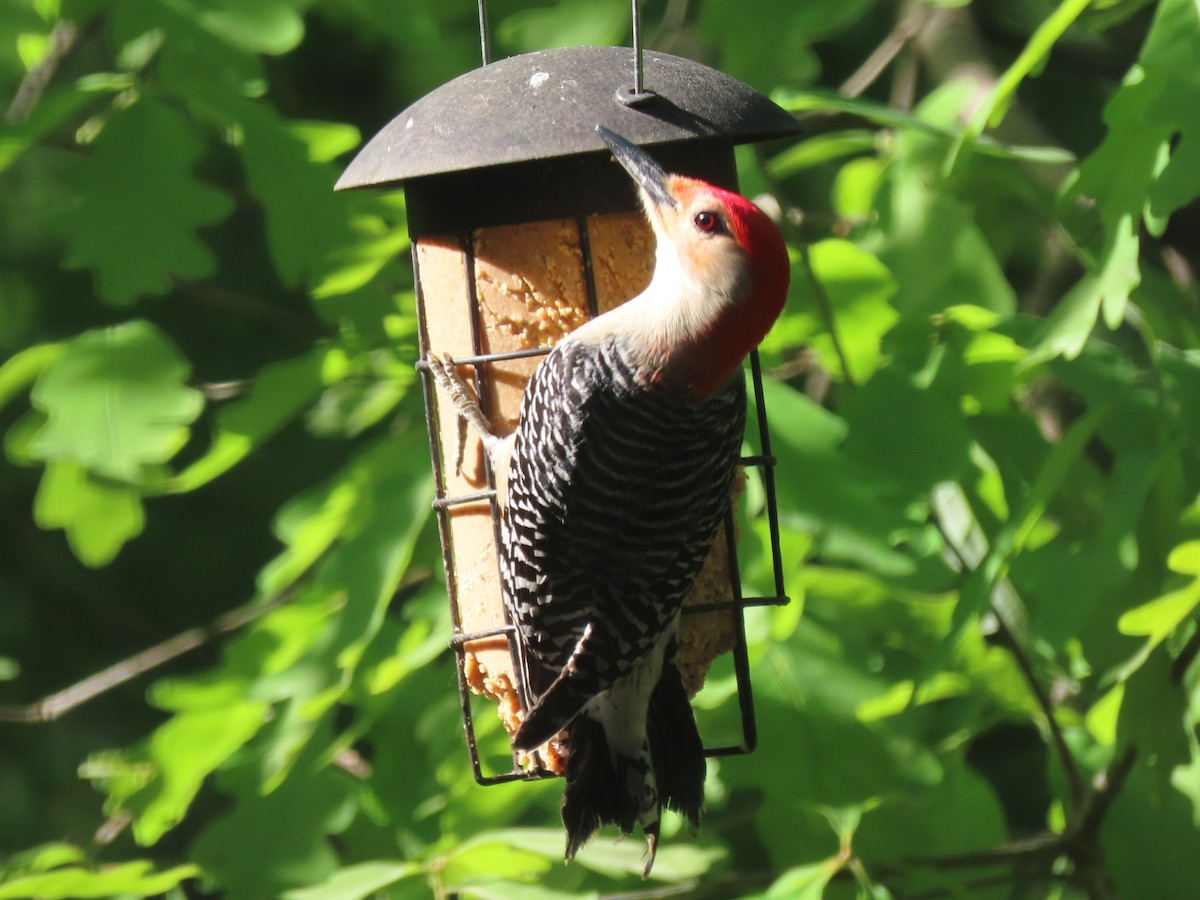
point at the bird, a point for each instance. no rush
(612, 490)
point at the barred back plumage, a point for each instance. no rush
(649, 455)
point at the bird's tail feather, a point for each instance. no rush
(604, 788)
(594, 794)
(676, 750)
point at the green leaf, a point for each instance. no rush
(199, 57)
(1162, 615)
(117, 402)
(280, 391)
(57, 106)
(856, 186)
(357, 882)
(1152, 716)
(804, 882)
(326, 141)
(1102, 718)
(352, 266)
(257, 26)
(821, 149)
(991, 111)
(488, 857)
(306, 220)
(24, 368)
(299, 817)
(566, 24)
(909, 428)
(1185, 559)
(140, 206)
(185, 751)
(131, 879)
(43, 858)
(1145, 169)
(801, 101)
(824, 492)
(978, 591)
(98, 517)
(931, 237)
(852, 286)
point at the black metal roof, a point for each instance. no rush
(546, 105)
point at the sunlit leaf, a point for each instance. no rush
(133, 879)
(24, 368)
(853, 288)
(566, 24)
(260, 26)
(117, 402)
(306, 221)
(98, 517)
(1162, 615)
(140, 205)
(280, 392)
(356, 882)
(186, 749)
(804, 882)
(1145, 169)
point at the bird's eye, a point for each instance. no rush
(708, 222)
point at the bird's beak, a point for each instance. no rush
(646, 173)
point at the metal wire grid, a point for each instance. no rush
(442, 505)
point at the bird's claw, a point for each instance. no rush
(465, 405)
(651, 851)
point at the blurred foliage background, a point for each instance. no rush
(985, 398)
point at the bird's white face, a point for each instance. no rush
(697, 236)
(720, 277)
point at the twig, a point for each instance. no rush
(907, 28)
(1079, 842)
(1107, 784)
(217, 391)
(34, 84)
(252, 307)
(1186, 657)
(904, 81)
(976, 884)
(673, 890)
(826, 307)
(53, 706)
(1024, 662)
(1047, 844)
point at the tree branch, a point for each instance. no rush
(36, 80)
(826, 307)
(252, 308)
(910, 24)
(1075, 783)
(53, 706)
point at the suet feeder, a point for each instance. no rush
(523, 227)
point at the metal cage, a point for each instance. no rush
(442, 504)
(515, 142)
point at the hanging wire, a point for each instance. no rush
(638, 71)
(636, 93)
(484, 43)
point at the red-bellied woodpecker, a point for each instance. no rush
(614, 486)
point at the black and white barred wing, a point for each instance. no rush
(616, 491)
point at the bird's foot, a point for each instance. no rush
(465, 405)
